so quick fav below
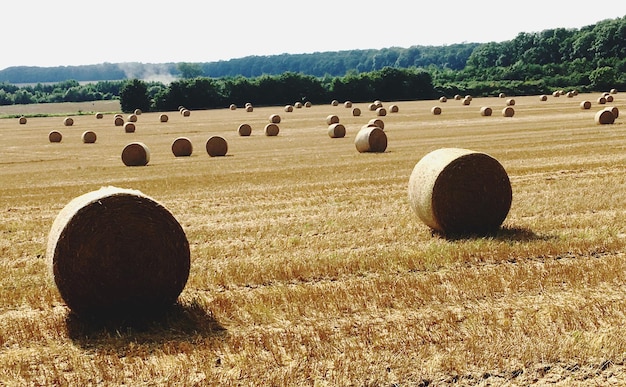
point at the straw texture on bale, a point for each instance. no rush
(55, 136)
(443, 99)
(613, 91)
(132, 118)
(372, 107)
(232, 106)
(186, 112)
(247, 104)
(332, 119)
(216, 146)
(89, 137)
(119, 121)
(289, 108)
(604, 117)
(336, 130)
(22, 120)
(436, 110)
(609, 98)
(457, 97)
(308, 104)
(543, 97)
(486, 111)
(508, 112)
(334, 102)
(585, 105)
(163, 118)
(275, 119)
(381, 111)
(271, 130)
(347, 104)
(510, 102)
(614, 110)
(117, 252)
(182, 147)
(136, 154)
(460, 191)
(68, 121)
(394, 108)
(99, 116)
(356, 112)
(601, 100)
(137, 112)
(249, 109)
(129, 127)
(298, 105)
(377, 122)
(467, 101)
(502, 95)
(371, 139)
(244, 130)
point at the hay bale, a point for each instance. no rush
(275, 119)
(570, 94)
(186, 112)
(377, 122)
(271, 130)
(371, 139)
(137, 112)
(443, 99)
(232, 106)
(132, 118)
(609, 98)
(508, 111)
(372, 107)
(308, 104)
(55, 136)
(118, 121)
(466, 101)
(347, 104)
(332, 119)
(501, 95)
(510, 102)
(118, 115)
(585, 105)
(99, 116)
(614, 110)
(457, 97)
(543, 98)
(117, 253)
(244, 130)
(247, 104)
(556, 94)
(486, 111)
(297, 105)
(136, 154)
(182, 147)
(378, 103)
(601, 100)
(88, 137)
(68, 121)
(381, 111)
(129, 127)
(613, 91)
(604, 117)
(22, 120)
(334, 102)
(249, 109)
(435, 110)
(356, 112)
(336, 130)
(460, 191)
(216, 146)
(394, 108)
(289, 108)
(163, 118)
(468, 97)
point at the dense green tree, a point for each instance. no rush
(134, 95)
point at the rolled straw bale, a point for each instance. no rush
(332, 119)
(249, 109)
(117, 253)
(372, 107)
(186, 112)
(468, 97)
(129, 127)
(508, 111)
(217, 146)
(585, 105)
(119, 121)
(297, 105)
(460, 191)
(136, 154)
(377, 122)
(248, 104)
(137, 112)
(68, 121)
(570, 94)
(613, 91)
(118, 115)
(356, 112)
(271, 130)
(604, 117)
(604, 94)
(132, 118)
(510, 102)
(543, 98)
(182, 147)
(378, 103)
(601, 100)
(336, 130)
(457, 97)
(436, 110)
(232, 106)
(89, 137)
(443, 99)
(275, 119)
(556, 94)
(334, 102)
(181, 108)
(381, 111)
(609, 98)
(467, 101)
(502, 95)
(99, 116)
(394, 108)
(308, 104)
(289, 108)
(486, 111)
(244, 130)
(163, 118)
(371, 139)
(614, 110)
(55, 136)
(22, 120)
(347, 104)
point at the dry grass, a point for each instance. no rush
(308, 267)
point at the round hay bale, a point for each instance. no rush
(89, 137)
(186, 112)
(22, 120)
(117, 253)
(181, 108)
(613, 91)
(271, 130)
(371, 139)
(356, 112)
(510, 102)
(501, 95)
(298, 105)
(163, 118)
(118, 115)
(377, 122)
(570, 94)
(372, 107)
(457, 97)
(137, 112)
(609, 98)
(217, 146)
(508, 111)
(436, 110)
(182, 147)
(334, 102)
(336, 130)
(381, 111)
(244, 130)
(614, 110)
(604, 117)
(136, 154)
(119, 121)
(443, 99)
(585, 105)
(466, 101)
(543, 98)
(55, 136)
(289, 108)
(468, 97)
(308, 104)
(129, 127)
(132, 118)
(556, 94)
(99, 116)
(247, 104)
(378, 103)
(459, 191)
(606, 93)
(486, 111)
(68, 121)
(601, 100)
(332, 119)
(347, 104)
(249, 109)
(232, 106)
(394, 108)
(275, 119)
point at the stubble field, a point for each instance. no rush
(308, 266)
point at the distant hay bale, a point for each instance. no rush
(371, 139)
(570, 94)
(99, 116)
(118, 121)
(249, 109)
(556, 94)
(502, 95)
(508, 111)
(137, 112)
(22, 120)
(308, 104)
(459, 191)
(181, 108)
(275, 119)
(468, 97)
(163, 118)
(604, 117)
(356, 112)
(614, 110)
(457, 97)
(186, 112)
(182, 147)
(543, 98)
(435, 110)
(271, 130)
(334, 102)
(467, 101)
(585, 105)
(116, 253)
(89, 137)
(394, 108)
(613, 91)
(129, 127)
(289, 108)
(136, 154)
(372, 107)
(381, 111)
(378, 103)
(377, 122)
(55, 136)
(232, 106)
(510, 102)
(247, 104)
(601, 100)
(297, 105)
(336, 130)
(486, 111)
(132, 118)
(217, 146)
(118, 115)
(332, 119)
(609, 98)
(68, 121)
(347, 104)
(443, 99)
(244, 130)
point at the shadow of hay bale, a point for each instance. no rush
(518, 234)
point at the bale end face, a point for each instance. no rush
(336, 130)
(182, 147)
(163, 118)
(136, 154)
(55, 136)
(244, 130)
(216, 146)
(89, 137)
(371, 139)
(604, 117)
(271, 130)
(68, 121)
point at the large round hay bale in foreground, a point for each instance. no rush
(459, 191)
(136, 154)
(55, 136)
(336, 130)
(216, 146)
(332, 119)
(585, 105)
(244, 130)
(115, 253)
(163, 118)
(508, 112)
(604, 117)
(182, 147)
(22, 120)
(68, 121)
(89, 137)
(371, 139)
(271, 130)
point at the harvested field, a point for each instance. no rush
(308, 266)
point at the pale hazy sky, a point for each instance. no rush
(73, 32)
